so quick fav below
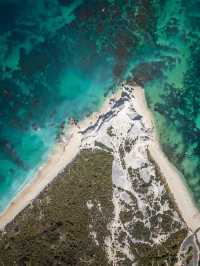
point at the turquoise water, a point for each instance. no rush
(60, 58)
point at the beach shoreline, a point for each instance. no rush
(64, 153)
(174, 179)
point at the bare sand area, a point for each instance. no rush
(66, 150)
(63, 153)
(173, 177)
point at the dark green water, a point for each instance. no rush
(60, 58)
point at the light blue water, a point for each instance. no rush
(60, 58)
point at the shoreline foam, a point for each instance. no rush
(65, 152)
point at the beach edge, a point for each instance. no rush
(174, 179)
(64, 154)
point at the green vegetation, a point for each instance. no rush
(129, 143)
(110, 131)
(189, 255)
(54, 230)
(161, 223)
(159, 255)
(160, 178)
(122, 156)
(134, 173)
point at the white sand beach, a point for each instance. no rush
(63, 153)
(66, 151)
(174, 178)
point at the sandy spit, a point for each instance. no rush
(66, 150)
(173, 177)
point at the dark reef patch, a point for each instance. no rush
(62, 56)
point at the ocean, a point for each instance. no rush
(61, 58)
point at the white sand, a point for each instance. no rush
(173, 177)
(66, 151)
(60, 157)
(56, 162)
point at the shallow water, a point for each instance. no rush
(60, 58)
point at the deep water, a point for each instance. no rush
(60, 58)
